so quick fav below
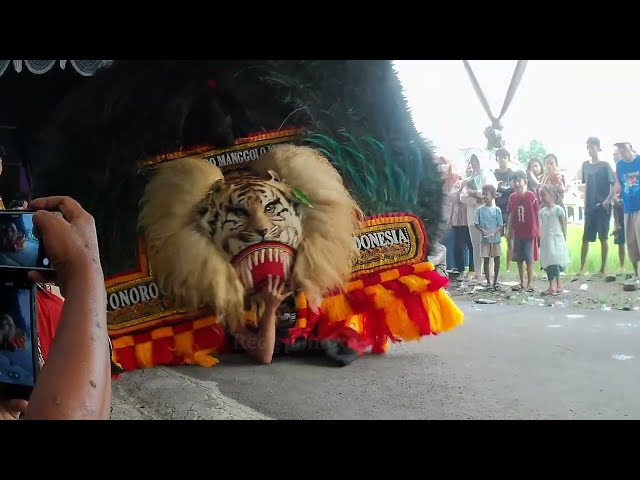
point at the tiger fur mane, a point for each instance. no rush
(195, 271)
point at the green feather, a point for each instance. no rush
(302, 197)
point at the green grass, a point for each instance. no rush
(574, 244)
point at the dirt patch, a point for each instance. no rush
(586, 292)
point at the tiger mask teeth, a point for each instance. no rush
(255, 264)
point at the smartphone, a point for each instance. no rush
(20, 249)
(19, 363)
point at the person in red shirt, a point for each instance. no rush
(522, 227)
(48, 312)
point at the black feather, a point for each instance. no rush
(93, 146)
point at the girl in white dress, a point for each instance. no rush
(553, 238)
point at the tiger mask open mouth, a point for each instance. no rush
(259, 261)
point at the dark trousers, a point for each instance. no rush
(449, 244)
(462, 242)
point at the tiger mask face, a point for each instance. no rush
(253, 220)
(244, 209)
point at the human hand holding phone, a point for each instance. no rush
(77, 370)
(11, 409)
(70, 241)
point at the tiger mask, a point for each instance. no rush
(208, 238)
(256, 223)
(245, 209)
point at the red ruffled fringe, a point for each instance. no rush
(402, 304)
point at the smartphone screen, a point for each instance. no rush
(19, 247)
(18, 340)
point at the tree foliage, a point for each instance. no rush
(535, 149)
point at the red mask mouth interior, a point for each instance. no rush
(255, 263)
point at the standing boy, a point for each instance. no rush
(489, 222)
(599, 181)
(523, 211)
(504, 177)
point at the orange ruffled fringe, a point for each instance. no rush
(400, 304)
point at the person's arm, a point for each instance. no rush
(260, 345)
(544, 179)
(612, 188)
(510, 226)
(539, 224)
(500, 222)
(619, 179)
(582, 186)
(563, 222)
(482, 230)
(618, 187)
(510, 212)
(536, 213)
(562, 184)
(75, 382)
(532, 181)
(477, 224)
(467, 195)
(612, 193)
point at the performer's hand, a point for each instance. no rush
(274, 293)
(71, 242)
(11, 409)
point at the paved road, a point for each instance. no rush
(513, 362)
(164, 394)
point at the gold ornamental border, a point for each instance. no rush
(391, 261)
(207, 151)
(417, 241)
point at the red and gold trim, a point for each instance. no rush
(389, 240)
(187, 343)
(252, 141)
(400, 304)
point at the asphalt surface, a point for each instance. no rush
(162, 393)
(504, 362)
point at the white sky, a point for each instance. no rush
(559, 102)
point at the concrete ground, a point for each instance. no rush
(505, 362)
(166, 394)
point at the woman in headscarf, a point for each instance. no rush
(462, 248)
(553, 176)
(535, 174)
(446, 232)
